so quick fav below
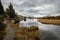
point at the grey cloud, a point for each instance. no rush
(35, 3)
(33, 11)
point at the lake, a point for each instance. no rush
(47, 31)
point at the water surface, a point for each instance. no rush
(47, 31)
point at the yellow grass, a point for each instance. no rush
(24, 33)
(50, 21)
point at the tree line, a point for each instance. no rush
(51, 17)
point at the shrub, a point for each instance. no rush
(2, 26)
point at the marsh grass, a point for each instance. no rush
(50, 21)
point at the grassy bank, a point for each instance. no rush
(24, 33)
(50, 21)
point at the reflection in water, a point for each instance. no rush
(48, 32)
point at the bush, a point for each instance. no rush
(1, 35)
(33, 28)
(2, 29)
(24, 33)
(2, 26)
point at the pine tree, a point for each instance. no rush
(1, 8)
(11, 11)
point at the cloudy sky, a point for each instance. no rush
(36, 8)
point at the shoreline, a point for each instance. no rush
(50, 21)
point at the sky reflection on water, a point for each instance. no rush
(47, 31)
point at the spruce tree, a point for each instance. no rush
(11, 11)
(1, 8)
